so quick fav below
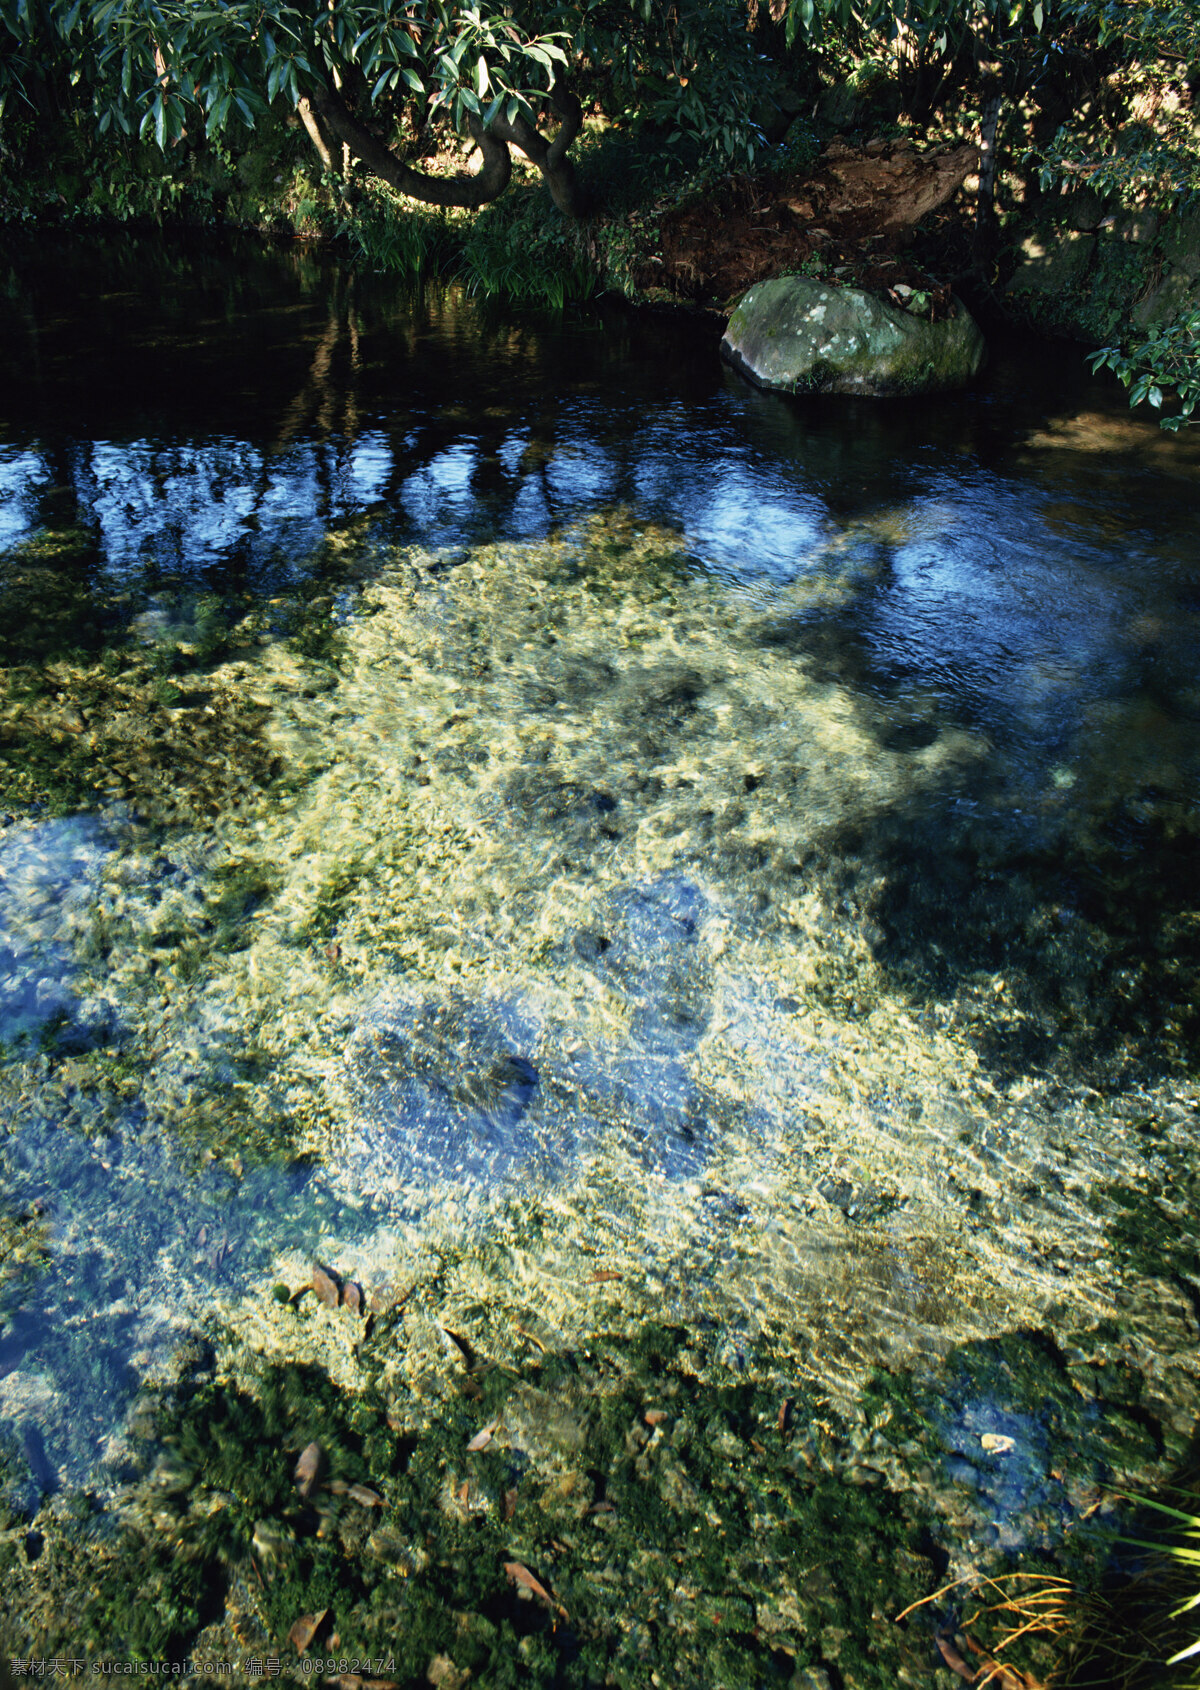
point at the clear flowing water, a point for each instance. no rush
(567, 841)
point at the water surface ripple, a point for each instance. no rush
(480, 791)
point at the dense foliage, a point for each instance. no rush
(166, 69)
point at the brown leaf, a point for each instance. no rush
(785, 1415)
(305, 1629)
(464, 1492)
(654, 1416)
(325, 1286)
(603, 1276)
(954, 1660)
(483, 1438)
(308, 1469)
(368, 1497)
(510, 1503)
(522, 1576)
(352, 1297)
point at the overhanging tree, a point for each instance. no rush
(507, 75)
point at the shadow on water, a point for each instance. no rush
(1092, 943)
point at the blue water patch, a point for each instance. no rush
(49, 872)
(137, 1238)
(446, 1089)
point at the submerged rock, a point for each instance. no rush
(646, 949)
(444, 1089)
(803, 336)
(475, 1093)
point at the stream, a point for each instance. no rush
(680, 903)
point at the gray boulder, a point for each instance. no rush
(804, 336)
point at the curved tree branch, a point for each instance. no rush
(567, 105)
(550, 156)
(488, 183)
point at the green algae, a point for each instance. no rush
(78, 736)
(47, 609)
(1153, 1226)
(700, 1545)
(697, 1518)
(332, 900)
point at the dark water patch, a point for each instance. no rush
(583, 815)
(1153, 1225)
(907, 734)
(1065, 951)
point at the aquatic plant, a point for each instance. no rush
(521, 249)
(673, 1515)
(1183, 1560)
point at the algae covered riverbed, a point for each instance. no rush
(679, 905)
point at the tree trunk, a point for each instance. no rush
(985, 204)
(316, 132)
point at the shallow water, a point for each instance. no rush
(487, 791)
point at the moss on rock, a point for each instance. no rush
(804, 336)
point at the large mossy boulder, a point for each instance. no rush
(804, 336)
